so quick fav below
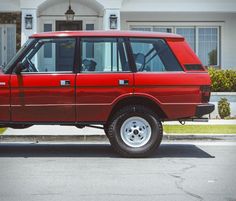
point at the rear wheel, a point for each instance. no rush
(135, 131)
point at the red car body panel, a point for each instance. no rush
(92, 96)
(169, 36)
(177, 93)
(98, 93)
(40, 98)
(5, 97)
(183, 52)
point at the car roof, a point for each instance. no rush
(106, 34)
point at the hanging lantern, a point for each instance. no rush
(70, 14)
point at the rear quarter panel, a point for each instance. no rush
(177, 93)
(183, 52)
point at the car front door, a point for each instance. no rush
(42, 92)
(105, 77)
(4, 97)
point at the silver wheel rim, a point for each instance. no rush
(135, 132)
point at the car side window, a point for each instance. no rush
(103, 55)
(153, 55)
(60, 58)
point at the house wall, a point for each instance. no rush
(56, 12)
(9, 5)
(226, 22)
(179, 6)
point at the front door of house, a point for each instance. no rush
(69, 26)
(62, 56)
(7, 42)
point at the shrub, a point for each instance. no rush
(222, 80)
(223, 108)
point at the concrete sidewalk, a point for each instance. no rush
(103, 138)
(54, 130)
(72, 134)
(72, 130)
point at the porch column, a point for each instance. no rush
(25, 33)
(106, 18)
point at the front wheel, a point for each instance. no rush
(135, 131)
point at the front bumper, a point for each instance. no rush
(204, 109)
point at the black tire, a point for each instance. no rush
(121, 145)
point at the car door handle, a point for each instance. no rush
(3, 83)
(123, 82)
(65, 82)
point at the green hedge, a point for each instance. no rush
(222, 80)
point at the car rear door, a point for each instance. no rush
(105, 77)
(44, 93)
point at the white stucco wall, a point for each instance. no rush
(27, 32)
(61, 7)
(229, 42)
(179, 6)
(9, 5)
(53, 12)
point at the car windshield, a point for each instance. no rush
(14, 59)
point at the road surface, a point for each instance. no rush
(179, 171)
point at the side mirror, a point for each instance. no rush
(19, 68)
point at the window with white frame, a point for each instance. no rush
(203, 40)
(163, 29)
(140, 28)
(189, 34)
(207, 42)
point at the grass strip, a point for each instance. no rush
(2, 130)
(201, 129)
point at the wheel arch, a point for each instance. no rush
(138, 100)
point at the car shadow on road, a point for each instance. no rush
(95, 150)
(181, 151)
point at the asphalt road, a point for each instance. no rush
(179, 171)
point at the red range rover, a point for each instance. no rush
(127, 82)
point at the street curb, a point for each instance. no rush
(93, 138)
(52, 138)
(200, 137)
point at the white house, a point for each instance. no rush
(208, 25)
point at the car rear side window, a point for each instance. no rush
(153, 55)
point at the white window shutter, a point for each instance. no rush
(1, 46)
(11, 42)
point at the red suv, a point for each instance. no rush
(128, 82)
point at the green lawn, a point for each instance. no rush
(199, 129)
(192, 129)
(2, 130)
